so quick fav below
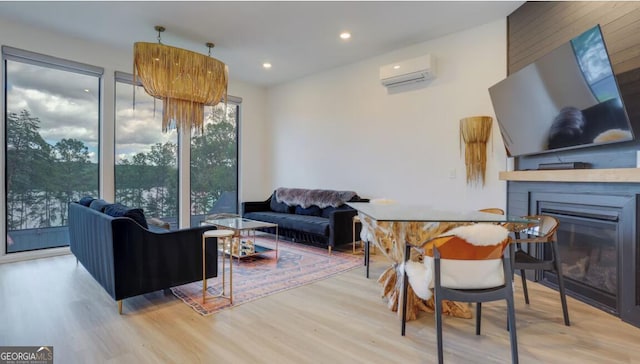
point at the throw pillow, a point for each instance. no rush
(138, 216)
(278, 206)
(86, 201)
(119, 210)
(326, 212)
(98, 205)
(115, 210)
(312, 210)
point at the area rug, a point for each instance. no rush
(261, 275)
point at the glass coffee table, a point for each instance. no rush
(244, 241)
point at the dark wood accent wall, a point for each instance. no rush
(536, 28)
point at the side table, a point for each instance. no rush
(224, 236)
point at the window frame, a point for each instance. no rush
(127, 78)
(42, 60)
(236, 101)
(184, 162)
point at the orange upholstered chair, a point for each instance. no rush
(468, 265)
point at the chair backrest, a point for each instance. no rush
(546, 229)
(493, 210)
(471, 256)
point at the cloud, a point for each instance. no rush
(67, 105)
(137, 130)
(55, 112)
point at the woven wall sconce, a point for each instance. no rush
(475, 132)
(185, 81)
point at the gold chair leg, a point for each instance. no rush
(329, 250)
(120, 307)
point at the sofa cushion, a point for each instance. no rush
(119, 210)
(279, 206)
(312, 210)
(310, 224)
(327, 211)
(99, 205)
(266, 216)
(86, 201)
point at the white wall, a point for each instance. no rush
(341, 129)
(253, 144)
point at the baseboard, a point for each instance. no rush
(35, 254)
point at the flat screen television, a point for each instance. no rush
(567, 99)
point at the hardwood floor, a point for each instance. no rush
(52, 301)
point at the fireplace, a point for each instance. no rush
(588, 240)
(597, 239)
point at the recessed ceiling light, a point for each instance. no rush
(266, 65)
(86, 90)
(396, 67)
(345, 35)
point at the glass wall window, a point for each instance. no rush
(52, 114)
(146, 160)
(214, 164)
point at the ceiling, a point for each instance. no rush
(298, 38)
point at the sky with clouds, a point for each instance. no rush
(140, 128)
(67, 105)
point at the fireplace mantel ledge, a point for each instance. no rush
(613, 175)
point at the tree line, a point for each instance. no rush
(43, 178)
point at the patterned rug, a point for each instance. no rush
(261, 275)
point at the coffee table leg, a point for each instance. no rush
(231, 274)
(239, 246)
(224, 257)
(277, 239)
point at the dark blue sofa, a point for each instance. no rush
(327, 227)
(128, 259)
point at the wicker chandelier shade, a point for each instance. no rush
(185, 81)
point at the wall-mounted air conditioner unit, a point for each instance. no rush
(409, 71)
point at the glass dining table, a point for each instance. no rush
(395, 228)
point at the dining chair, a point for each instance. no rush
(493, 210)
(545, 232)
(469, 265)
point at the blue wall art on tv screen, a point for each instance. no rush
(567, 99)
